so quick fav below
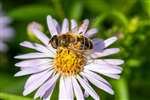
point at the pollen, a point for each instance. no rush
(69, 62)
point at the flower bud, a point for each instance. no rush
(31, 26)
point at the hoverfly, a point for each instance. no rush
(71, 40)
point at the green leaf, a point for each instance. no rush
(5, 96)
(30, 12)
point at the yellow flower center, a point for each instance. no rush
(69, 62)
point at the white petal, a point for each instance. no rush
(114, 76)
(114, 61)
(98, 45)
(77, 90)
(69, 89)
(86, 94)
(51, 49)
(57, 26)
(105, 52)
(48, 93)
(73, 24)
(91, 32)
(96, 76)
(45, 87)
(65, 26)
(33, 62)
(51, 26)
(88, 88)
(75, 30)
(41, 36)
(98, 83)
(62, 89)
(35, 46)
(39, 67)
(110, 41)
(103, 69)
(35, 84)
(104, 64)
(35, 77)
(84, 26)
(34, 55)
(28, 71)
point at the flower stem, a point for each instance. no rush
(121, 89)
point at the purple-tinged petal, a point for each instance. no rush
(103, 69)
(98, 45)
(35, 46)
(27, 71)
(75, 30)
(48, 86)
(48, 93)
(114, 61)
(83, 27)
(41, 36)
(110, 41)
(33, 62)
(34, 77)
(57, 26)
(91, 32)
(114, 76)
(73, 24)
(29, 88)
(102, 63)
(65, 26)
(51, 25)
(105, 52)
(34, 55)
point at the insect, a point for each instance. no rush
(71, 40)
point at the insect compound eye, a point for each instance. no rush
(87, 44)
(54, 41)
(91, 45)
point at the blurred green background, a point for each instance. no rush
(127, 19)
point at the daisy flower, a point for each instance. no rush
(75, 70)
(6, 32)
